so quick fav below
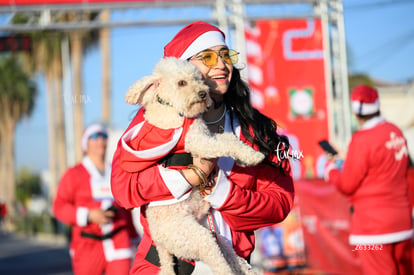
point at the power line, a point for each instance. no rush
(387, 50)
(379, 4)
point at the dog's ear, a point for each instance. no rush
(142, 90)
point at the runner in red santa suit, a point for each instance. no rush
(102, 231)
(243, 198)
(374, 179)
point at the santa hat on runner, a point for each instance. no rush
(364, 100)
(88, 132)
(193, 39)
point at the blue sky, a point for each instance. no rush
(380, 38)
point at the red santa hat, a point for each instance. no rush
(193, 39)
(364, 100)
(89, 131)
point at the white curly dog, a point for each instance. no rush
(176, 91)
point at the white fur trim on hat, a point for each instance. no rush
(204, 41)
(90, 130)
(362, 108)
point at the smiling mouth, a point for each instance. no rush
(219, 77)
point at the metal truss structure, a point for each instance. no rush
(230, 15)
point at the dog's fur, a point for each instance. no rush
(176, 90)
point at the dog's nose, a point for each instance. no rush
(202, 94)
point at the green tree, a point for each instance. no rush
(45, 58)
(359, 79)
(27, 185)
(17, 98)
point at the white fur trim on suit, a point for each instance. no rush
(153, 152)
(381, 239)
(111, 253)
(372, 122)
(221, 227)
(169, 202)
(82, 216)
(204, 41)
(177, 185)
(100, 184)
(220, 193)
(361, 108)
(175, 182)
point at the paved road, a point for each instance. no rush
(30, 256)
(43, 256)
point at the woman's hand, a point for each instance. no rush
(99, 216)
(339, 155)
(205, 165)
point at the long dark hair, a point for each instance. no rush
(264, 129)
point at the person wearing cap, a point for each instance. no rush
(102, 232)
(242, 199)
(373, 177)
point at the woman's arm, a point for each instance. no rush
(134, 189)
(64, 204)
(355, 167)
(155, 183)
(265, 202)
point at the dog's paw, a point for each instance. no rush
(250, 157)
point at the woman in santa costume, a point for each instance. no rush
(101, 230)
(242, 199)
(373, 176)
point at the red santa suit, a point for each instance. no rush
(144, 144)
(94, 248)
(244, 199)
(374, 179)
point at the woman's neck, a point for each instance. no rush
(98, 161)
(215, 116)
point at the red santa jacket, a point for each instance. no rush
(143, 144)
(244, 199)
(82, 188)
(374, 178)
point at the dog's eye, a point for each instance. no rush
(182, 83)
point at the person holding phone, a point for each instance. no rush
(373, 177)
(102, 233)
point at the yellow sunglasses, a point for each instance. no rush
(210, 57)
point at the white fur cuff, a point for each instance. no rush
(175, 182)
(82, 216)
(220, 192)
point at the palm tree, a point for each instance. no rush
(77, 57)
(17, 99)
(45, 58)
(80, 42)
(104, 40)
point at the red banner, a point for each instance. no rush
(286, 73)
(325, 218)
(314, 237)
(83, 2)
(287, 76)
